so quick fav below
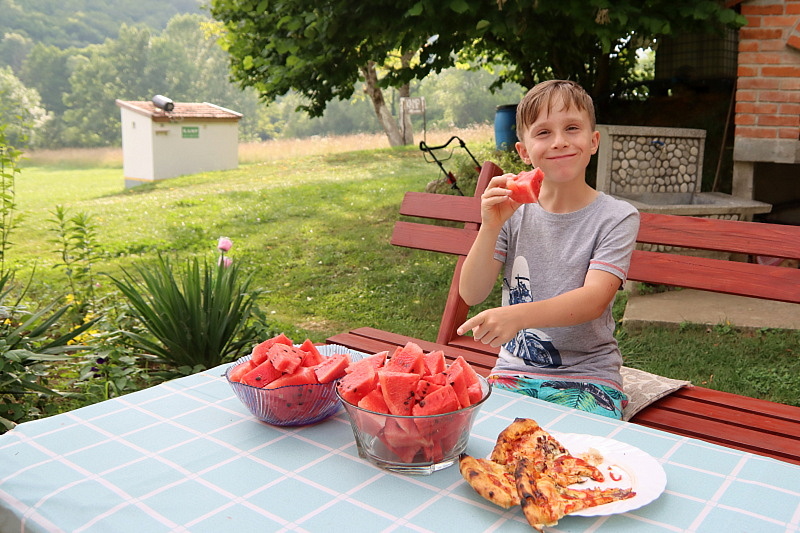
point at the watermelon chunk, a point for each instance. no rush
(259, 354)
(375, 361)
(469, 373)
(424, 387)
(312, 356)
(410, 358)
(238, 371)
(457, 378)
(435, 362)
(438, 379)
(443, 400)
(525, 186)
(398, 390)
(285, 358)
(331, 368)
(358, 383)
(262, 375)
(475, 393)
(302, 376)
(374, 401)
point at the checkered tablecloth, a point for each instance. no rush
(187, 456)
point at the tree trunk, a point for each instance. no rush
(405, 92)
(385, 118)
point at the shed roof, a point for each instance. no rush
(181, 111)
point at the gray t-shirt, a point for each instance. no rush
(547, 254)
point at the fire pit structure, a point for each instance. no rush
(659, 170)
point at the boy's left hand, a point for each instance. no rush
(494, 327)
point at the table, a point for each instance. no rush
(186, 456)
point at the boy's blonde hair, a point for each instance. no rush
(545, 94)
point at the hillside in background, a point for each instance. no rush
(78, 23)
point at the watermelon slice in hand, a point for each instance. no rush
(525, 186)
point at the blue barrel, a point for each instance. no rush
(505, 126)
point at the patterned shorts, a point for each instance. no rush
(595, 398)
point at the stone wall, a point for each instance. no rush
(637, 159)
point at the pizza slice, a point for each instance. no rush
(544, 502)
(525, 438)
(491, 480)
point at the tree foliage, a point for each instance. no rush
(317, 47)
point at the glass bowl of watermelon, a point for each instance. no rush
(284, 384)
(412, 412)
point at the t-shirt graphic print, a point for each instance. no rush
(532, 346)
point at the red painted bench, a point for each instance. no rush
(758, 426)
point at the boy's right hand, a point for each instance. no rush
(496, 203)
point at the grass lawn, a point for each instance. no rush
(315, 231)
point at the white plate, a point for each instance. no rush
(624, 466)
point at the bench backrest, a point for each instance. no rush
(662, 268)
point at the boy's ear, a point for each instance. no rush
(523, 152)
(595, 141)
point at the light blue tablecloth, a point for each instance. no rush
(187, 456)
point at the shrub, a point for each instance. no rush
(196, 320)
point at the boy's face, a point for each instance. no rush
(560, 142)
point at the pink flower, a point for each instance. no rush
(225, 261)
(224, 244)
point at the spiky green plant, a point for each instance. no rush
(197, 319)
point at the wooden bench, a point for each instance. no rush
(757, 426)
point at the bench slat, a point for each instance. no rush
(456, 241)
(736, 418)
(718, 275)
(687, 423)
(441, 207)
(753, 238)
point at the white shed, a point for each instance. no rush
(161, 142)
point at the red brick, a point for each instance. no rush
(748, 46)
(775, 96)
(760, 109)
(755, 133)
(782, 72)
(772, 45)
(792, 8)
(747, 72)
(783, 21)
(758, 83)
(743, 119)
(746, 96)
(774, 9)
(790, 86)
(788, 133)
(789, 109)
(760, 33)
(760, 58)
(794, 42)
(779, 120)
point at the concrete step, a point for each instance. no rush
(702, 307)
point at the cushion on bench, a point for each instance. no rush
(644, 388)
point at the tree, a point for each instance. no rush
(321, 48)
(21, 112)
(315, 49)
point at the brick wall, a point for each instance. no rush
(768, 91)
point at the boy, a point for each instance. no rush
(563, 260)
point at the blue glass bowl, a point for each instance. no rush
(292, 405)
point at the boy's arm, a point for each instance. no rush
(480, 269)
(499, 325)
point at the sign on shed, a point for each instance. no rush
(162, 139)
